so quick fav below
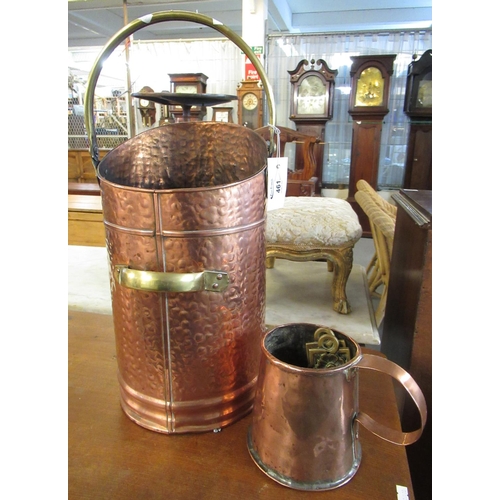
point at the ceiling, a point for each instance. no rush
(94, 22)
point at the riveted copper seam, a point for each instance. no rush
(213, 232)
(137, 232)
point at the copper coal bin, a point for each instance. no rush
(184, 215)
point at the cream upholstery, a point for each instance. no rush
(315, 228)
(313, 221)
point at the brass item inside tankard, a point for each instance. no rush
(327, 351)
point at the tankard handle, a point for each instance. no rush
(148, 20)
(383, 365)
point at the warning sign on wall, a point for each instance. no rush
(250, 71)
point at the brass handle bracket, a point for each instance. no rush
(154, 281)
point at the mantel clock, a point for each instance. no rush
(188, 83)
(250, 103)
(147, 109)
(222, 114)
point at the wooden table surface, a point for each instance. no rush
(110, 457)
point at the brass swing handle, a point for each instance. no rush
(154, 281)
(383, 365)
(158, 17)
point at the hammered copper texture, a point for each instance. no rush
(303, 432)
(185, 198)
(211, 154)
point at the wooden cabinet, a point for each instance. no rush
(407, 330)
(85, 221)
(80, 166)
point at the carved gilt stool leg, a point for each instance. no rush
(341, 262)
(270, 262)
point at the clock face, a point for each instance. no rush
(186, 89)
(222, 116)
(144, 103)
(250, 101)
(370, 88)
(424, 97)
(311, 99)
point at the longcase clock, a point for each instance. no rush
(418, 107)
(188, 83)
(368, 105)
(311, 104)
(250, 104)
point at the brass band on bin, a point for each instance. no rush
(154, 281)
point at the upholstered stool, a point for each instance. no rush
(315, 228)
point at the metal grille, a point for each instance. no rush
(111, 123)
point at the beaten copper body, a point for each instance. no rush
(185, 198)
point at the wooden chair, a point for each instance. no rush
(382, 226)
(311, 228)
(301, 182)
(373, 269)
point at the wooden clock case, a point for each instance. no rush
(418, 168)
(198, 83)
(367, 128)
(251, 118)
(312, 124)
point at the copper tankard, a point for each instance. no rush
(304, 428)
